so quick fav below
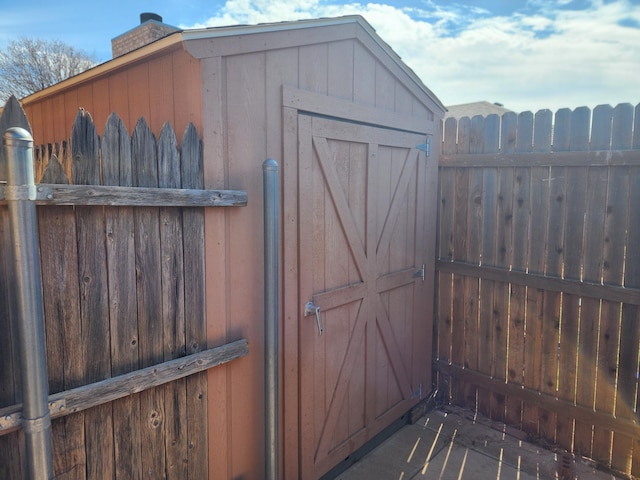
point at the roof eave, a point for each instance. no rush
(108, 66)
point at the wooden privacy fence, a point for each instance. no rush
(538, 273)
(122, 252)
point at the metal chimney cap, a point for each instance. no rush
(146, 16)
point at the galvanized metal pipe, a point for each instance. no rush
(270, 180)
(20, 193)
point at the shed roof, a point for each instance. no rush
(180, 37)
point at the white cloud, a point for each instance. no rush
(553, 58)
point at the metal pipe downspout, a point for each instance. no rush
(270, 179)
(20, 194)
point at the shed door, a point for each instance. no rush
(360, 260)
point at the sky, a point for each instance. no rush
(524, 54)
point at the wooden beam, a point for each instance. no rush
(545, 401)
(50, 194)
(110, 389)
(611, 293)
(597, 158)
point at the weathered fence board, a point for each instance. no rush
(122, 250)
(79, 399)
(549, 237)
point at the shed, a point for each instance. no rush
(350, 125)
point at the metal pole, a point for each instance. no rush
(270, 178)
(20, 194)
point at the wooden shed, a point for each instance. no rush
(350, 126)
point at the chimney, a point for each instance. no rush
(150, 29)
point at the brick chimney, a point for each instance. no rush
(150, 29)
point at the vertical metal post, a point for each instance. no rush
(270, 179)
(20, 193)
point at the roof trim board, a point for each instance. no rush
(193, 37)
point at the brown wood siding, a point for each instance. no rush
(243, 125)
(165, 87)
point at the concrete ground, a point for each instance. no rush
(452, 445)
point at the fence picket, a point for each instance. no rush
(149, 289)
(120, 248)
(523, 125)
(539, 204)
(569, 345)
(617, 214)
(94, 309)
(113, 306)
(192, 176)
(173, 305)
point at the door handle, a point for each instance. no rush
(310, 309)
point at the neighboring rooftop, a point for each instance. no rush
(475, 108)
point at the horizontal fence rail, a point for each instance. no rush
(114, 388)
(538, 270)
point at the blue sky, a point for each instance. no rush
(525, 54)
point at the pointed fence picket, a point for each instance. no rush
(538, 320)
(123, 280)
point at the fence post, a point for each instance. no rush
(270, 179)
(20, 193)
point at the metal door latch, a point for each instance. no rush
(311, 309)
(419, 273)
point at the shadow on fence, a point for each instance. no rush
(538, 276)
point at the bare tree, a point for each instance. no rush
(28, 65)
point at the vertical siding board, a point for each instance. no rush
(138, 93)
(313, 61)
(216, 273)
(93, 297)
(120, 249)
(60, 126)
(187, 92)
(364, 75)
(282, 69)
(290, 365)
(245, 97)
(100, 106)
(340, 71)
(385, 88)
(160, 92)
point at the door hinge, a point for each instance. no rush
(417, 393)
(419, 273)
